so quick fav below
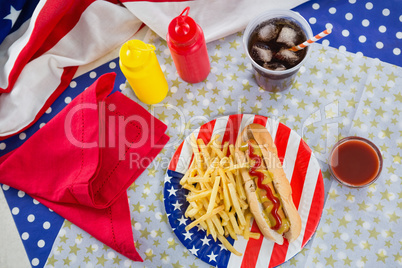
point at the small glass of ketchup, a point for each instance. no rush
(355, 162)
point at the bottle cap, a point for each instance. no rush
(135, 53)
(183, 29)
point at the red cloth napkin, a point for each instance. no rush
(81, 163)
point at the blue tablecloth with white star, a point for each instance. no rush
(369, 29)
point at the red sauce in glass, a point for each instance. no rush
(355, 162)
(275, 201)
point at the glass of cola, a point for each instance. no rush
(267, 40)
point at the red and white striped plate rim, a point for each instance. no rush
(301, 168)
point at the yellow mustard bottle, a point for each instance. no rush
(141, 68)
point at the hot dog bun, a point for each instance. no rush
(280, 183)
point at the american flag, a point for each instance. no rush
(301, 168)
(43, 42)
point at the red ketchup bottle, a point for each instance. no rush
(186, 42)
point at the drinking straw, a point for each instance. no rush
(312, 40)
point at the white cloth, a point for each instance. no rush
(217, 18)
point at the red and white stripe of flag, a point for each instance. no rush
(60, 36)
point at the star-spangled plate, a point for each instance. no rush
(301, 168)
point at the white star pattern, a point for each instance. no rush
(194, 251)
(187, 235)
(222, 247)
(167, 179)
(200, 228)
(212, 256)
(13, 16)
(177, 205)
(205, 241)
(172, 191)
(182, 220)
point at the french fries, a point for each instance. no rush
(217, 199)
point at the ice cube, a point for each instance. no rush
(287, 56)
(287, 36)
(261, 52)
(268, 32)
(274, 66)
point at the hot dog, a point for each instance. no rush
(269, 193)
